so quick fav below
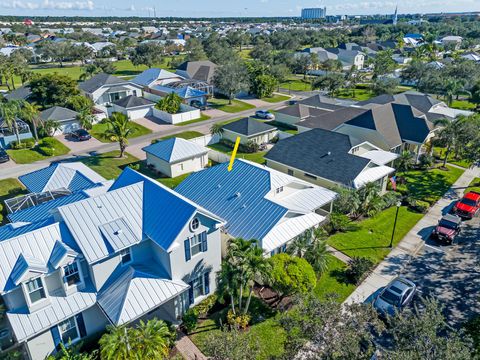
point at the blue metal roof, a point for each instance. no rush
(238, 196)
(42, 211)
(37, 180)
(165, 213)
(10, 231)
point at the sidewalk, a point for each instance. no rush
(412, 243)
(187, 348)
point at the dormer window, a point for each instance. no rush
(126, 256)
(35, 290)
(72, 274)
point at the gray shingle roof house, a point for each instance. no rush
(131, 101)
(249, 129)
(327, 158)
(66, 117)
(198, 70)
(99, 80)
(22, 93)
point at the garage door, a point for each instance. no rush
(139, 113)
(70, 126)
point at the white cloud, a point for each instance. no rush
(49, 5)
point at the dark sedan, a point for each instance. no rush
(3, 156)
(80, 135)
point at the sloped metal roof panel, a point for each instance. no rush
(83, 218)
(118, 234)
(59, 252)
(16, 229)
(26, 325)
(238, 196)
(135, 292)
(175, 149)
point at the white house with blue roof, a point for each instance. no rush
(138, 250)
(259, 203)
(176, 156)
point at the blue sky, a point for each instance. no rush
(221, 8)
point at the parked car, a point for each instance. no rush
(80, 135)
(264, 114)
(395, 296)
(447, 229)
(3, 156)
(468, 206)
(292, 102)
(197, 104)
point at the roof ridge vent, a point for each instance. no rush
(329, 153)
(238, 194)
(118, 232)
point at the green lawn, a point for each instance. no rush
(463, 105)
(473, 186)
(9, 188)
(361, 94)
(295, 83)
(99, 129)
(28, 156)
(235, 107)
(429, 185)
(275, 98)
(267, 332)
(333, 281)
(109, 165)
(257, 157)
(371, 237)
(439, 153)
(201, 118)
(184, 135)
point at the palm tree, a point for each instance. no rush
(31, 113)
(86, 119)
(370, 199)
(227, 283)
(119, 129)
(89, 71)
(50, 127)
(404, 161)
(452, 87)
(72, 352)
(116, 343)
(317, 254)
(256, 268)
(9, 112)
(450, 134)
(216, 129)
(151, 340)
(300, 245)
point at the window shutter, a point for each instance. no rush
(186, 244)
(191, 299)
(56, 337)
(204, 241)
(81, 325)
(206, 278)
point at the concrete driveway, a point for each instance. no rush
(79, 147)
(451, 274)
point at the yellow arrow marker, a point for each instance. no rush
(234, 153)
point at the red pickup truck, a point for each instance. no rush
(468, 206)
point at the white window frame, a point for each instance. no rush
(27, 293)
(122, 255)
(72, 341)
(200, 278)
(193, 228)
(199, 245)
(80, 274)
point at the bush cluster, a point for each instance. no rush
(358, 269)
(248, 148)
(23, 144)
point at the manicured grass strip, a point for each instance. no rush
(439, 153)
(98, 131)
(333, 281)
(370, 238)
(297, 84)
(257, 157)
(275, 98)
(184, 135)
(9, 188)
(234, 107)
(283, 127)
(429, 185)
(359, 94)
(109, 165)
(28, 156)
(201, 118)
(463, 105)
(474, 186)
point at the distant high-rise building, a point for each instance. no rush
(314, 13)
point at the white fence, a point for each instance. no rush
(206, 140)
(218, 156)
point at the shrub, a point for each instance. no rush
(204, 307)
(238, 321)
(250, 147)
(391, 198)
(190, 319)
(358, 269)
(170, 103)
(417, 205)
(47, 151)
(135, 167)
(23, 144)
(339, 222)
(426, 161)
